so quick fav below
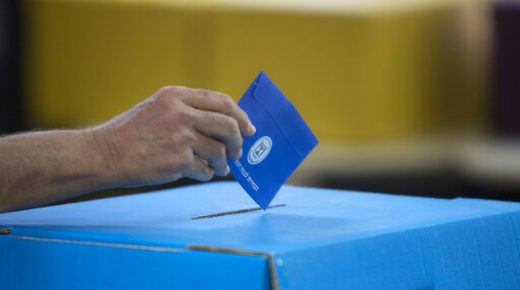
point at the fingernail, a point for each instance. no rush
(227, 170)
(240, 154)
(252, 129)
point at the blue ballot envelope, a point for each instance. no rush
(281, 142)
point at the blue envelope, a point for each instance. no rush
(281, 142)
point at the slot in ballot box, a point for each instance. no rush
(208, 237)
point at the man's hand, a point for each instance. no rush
(178, 132)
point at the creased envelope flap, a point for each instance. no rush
(284, 114)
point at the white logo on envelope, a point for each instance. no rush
(259, 150)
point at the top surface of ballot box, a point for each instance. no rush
(197, 238)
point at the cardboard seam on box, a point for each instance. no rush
(100, 244)
(273, 277)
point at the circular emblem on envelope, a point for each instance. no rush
(259, 150)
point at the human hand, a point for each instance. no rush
(178, 132)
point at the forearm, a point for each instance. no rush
(42, 167)
(178, 132)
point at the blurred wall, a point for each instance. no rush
(397, 92)
(357, 75)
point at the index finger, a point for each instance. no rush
(219, 102)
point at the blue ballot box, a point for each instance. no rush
(208, 237)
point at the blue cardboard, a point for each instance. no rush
(312, 239)
(281, 142)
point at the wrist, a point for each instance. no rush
(101, 153)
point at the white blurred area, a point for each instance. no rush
(326, 6)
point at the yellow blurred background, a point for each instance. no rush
(357, 74)
(397, 92)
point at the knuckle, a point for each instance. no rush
(162, 97)
(234, 137)
(227, 101)
(240, 142)
(232, 125)
(170, 90)
(183, 115)
(208, 174)
(166, 89)
(185, 138)
(184, 160)
(244, 116)
(220, 151)
(167, 93)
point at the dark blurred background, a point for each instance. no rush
(12, 118)
(409, 97)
